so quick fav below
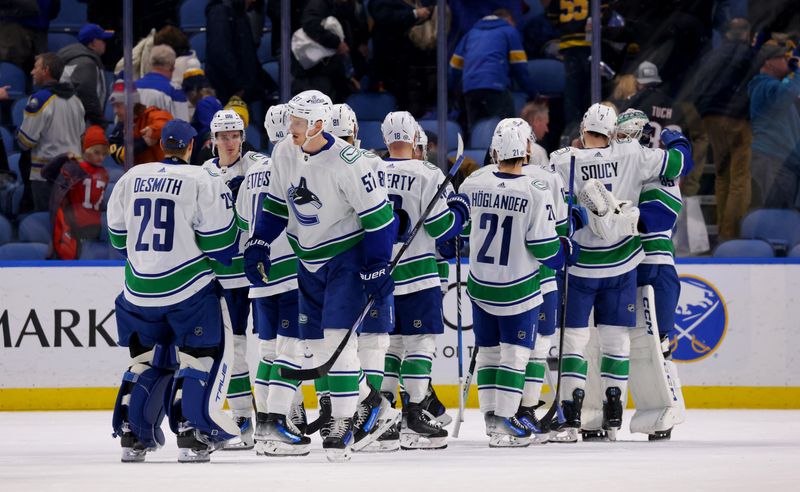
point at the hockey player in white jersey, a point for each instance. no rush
(280, 416)
(338, 220)
(227, 137)
(512, 232)
(412, 184)
(608, 177)
(172, 221)
(654, 381)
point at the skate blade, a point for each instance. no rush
(238, 445)
(190, 456)
(443, 419)
(130, 455)
(382, 447)
(386, 418)
(279, 449)
(540, 438)
(612, 433)
(568, 435)
(412, 441)
(507, 441)
(336, 455)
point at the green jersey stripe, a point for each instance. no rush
(674, 164)
(235, 268)
(275, 208)
(325, 252)
(610, 256)
(216, 242)
(440, 226)
(378, 219)
(658, 246)
(502, 294)
(118, 241)
(166, 283)
(657, 195)
(546, 272)
(543, 251)
(405, 272)
(241, 223)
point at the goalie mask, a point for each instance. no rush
(630, 125)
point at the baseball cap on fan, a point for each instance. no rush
(177, 134)
(90, 32)
(647, 73)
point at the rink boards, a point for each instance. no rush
(736, 324)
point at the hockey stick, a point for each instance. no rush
(319, 371)
(460, 332)
(465, 392)
(548, 417)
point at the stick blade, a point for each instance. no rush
(460, 150)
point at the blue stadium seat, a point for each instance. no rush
(13, 165)
(780, 228)
(273, 68)
(57, 40)
(23, 251)
(265, 48)
(18, 111)
(453, 129)
(108, 114)
(744, 248)
(95, 250)
(71, 17)
(5, 230)
(35, 228)
(372, 105)
(198, 44)
(253, 136)
(795, 252)
(548, 76)
(8, 139)
(192, 15)
(369, 132)
(14, 76)
(481, 136)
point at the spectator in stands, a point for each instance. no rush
(52, 123)
(23, 29)
(77, 195)
(203, 102)
(487, 56)
(775, 164)
(147, 124)
(155, 88)
(537, 114)
(721, 100)
(232, 64)
(624, 88)
(84, 70)
(186, 59)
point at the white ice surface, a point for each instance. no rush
(714, 450)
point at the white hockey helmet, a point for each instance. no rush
(399, 126)
(599, 118)
(226, 120)
(519, 123)
(276, 122)
(422, 137)
(343, 121)
(512, 142)
(311, 106)
(630, 125)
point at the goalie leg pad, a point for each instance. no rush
(240, 396)
(140, 405)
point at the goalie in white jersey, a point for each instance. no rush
(337, 218)
(512, 232)
(411, 185)
(171, 221)
(227, 137)
(608, 177)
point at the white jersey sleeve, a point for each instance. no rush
(558, 212)
(663, 195)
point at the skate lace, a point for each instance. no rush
(362, 413)
(339, 428)
(296, 415)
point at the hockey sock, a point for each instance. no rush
(391, 365)
(282, 390)
(615, 345)
(487, 362)
(510, 378)
(372, 349)
(343, 376)
(240, 396)
(534, 371)
(573, 363)
(261, 388)
(416, 367)
(321, 387)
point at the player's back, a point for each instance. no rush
(167, 218)
(411, 184)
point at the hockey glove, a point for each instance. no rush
(647, 134)
(378, 281)
(578, 219)
(672, 139)
(571, 250)
(447, 249)
(234, 185)
(459, 202)
(256, 261)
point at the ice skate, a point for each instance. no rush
(297, 414)
(567, 431)
(508, 432)
(194, 447)
(133, 451)
(421, 432)
(612, 412)
(282, 438)
(338, 444)
(374, 416)
(389, 440)
(245, 439)
(540, 434)
(435, 408)
(598, 435)
(660, 435)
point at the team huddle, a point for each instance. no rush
(342, 255)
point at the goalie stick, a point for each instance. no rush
(319, 371)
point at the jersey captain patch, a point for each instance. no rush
(301, 198)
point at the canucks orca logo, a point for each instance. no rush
(701, 320)
(299, 197)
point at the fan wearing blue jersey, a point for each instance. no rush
(172, 221)
(325, 195)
